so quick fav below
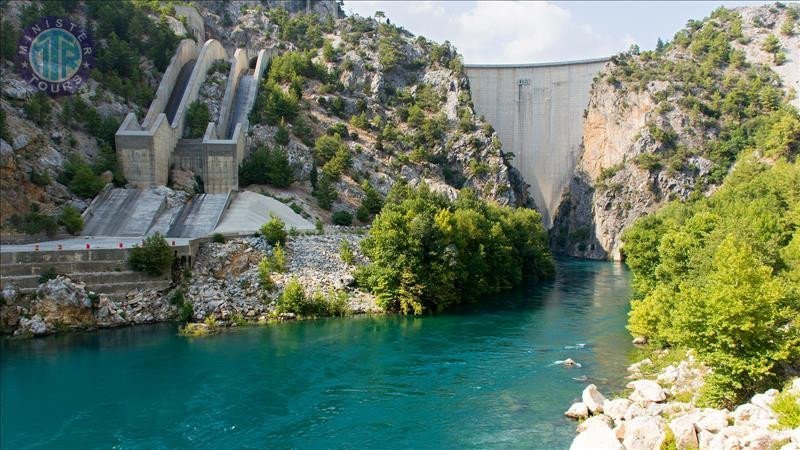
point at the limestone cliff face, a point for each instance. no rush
(646, 136)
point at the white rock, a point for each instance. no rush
(796, 436)
(616, 408)
(593, 399)
(596, 437)
(577, 411)
(644, 433)
(712, 420)
(684, 432)
(750, 414)
(19, 141)
(764, 401)
(635, 410)
(639, 340)
(646, 391)
(795, 387)
(591, 421)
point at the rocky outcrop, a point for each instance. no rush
(652, 417)
(643, 144)
(60, 304)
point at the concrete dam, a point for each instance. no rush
(538, 112)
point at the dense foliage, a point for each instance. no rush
(274, 231)
(154, 256)
(197, 118)
(428, 253)
(267, 166)
(704, 75)
(721, 274)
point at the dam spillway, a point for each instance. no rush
(538, 113)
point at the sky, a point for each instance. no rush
(514, 32)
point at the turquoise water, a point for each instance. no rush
(477, 378)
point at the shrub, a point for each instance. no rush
(346, 252)
(278, 260)
(282, 134)
(343, 218)
(47, 275)
(80, 178)
(38, 109)
(293, 299)
(338, 129)
(265, 274)
(362, 213)
(154, 256)
(787, 407)
(372, 199)
(267, 166)
(218, 238)
(360, 121)
(71, 219)
(34, 222)
(274, 231)
(197, 119)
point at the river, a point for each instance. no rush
(480, 377)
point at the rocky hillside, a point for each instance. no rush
(59, 152)
(394, 106)
(668, 124)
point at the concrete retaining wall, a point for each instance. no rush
(221, 160)
(144, 154)
(239, 64)
(538, 112)
(187, 51)
(211, 52)
(195, 23)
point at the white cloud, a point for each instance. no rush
(519, 32)
(499, 32)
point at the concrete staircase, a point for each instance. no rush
(103, 271)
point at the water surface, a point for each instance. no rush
(477, 378)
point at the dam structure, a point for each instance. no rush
(538, 112)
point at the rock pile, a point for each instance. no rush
(652, 418)
(61, 304)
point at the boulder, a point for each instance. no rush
(639, 340)
(601, 419)
(644, 433)
(577, 411)
(750, 414)
(616, 408)
(19, 141)
(635, 410)
(712, 420)
(107, 176)
(764, 401)
(593, 399)
(795, 387)
(64, 292)
(684, 432)
(596, 437)
(35, 326)
(646, 391)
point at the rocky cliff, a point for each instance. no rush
(668, 124)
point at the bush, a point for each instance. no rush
(362, 213)
(267, 166)
(282, 134)
(346, 252)
(278, 259)
(428, 253)
(80, 178)
(265, 274)
(294, 299)
(34, 222)
(273, 105)
(39, 178)
(787, 407)
(47, 275)
(38, 109)
(218, 238)
(71, 219)
(274, 231)
(197, 119)
(343, 218)
(154, 256)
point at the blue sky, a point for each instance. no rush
(525, 32)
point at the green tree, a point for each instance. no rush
(274, 231)
(154, 256)
(197, 119)
(38, 109)
(71, 219)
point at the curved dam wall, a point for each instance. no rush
(538, 112)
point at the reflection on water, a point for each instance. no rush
(480, 377)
